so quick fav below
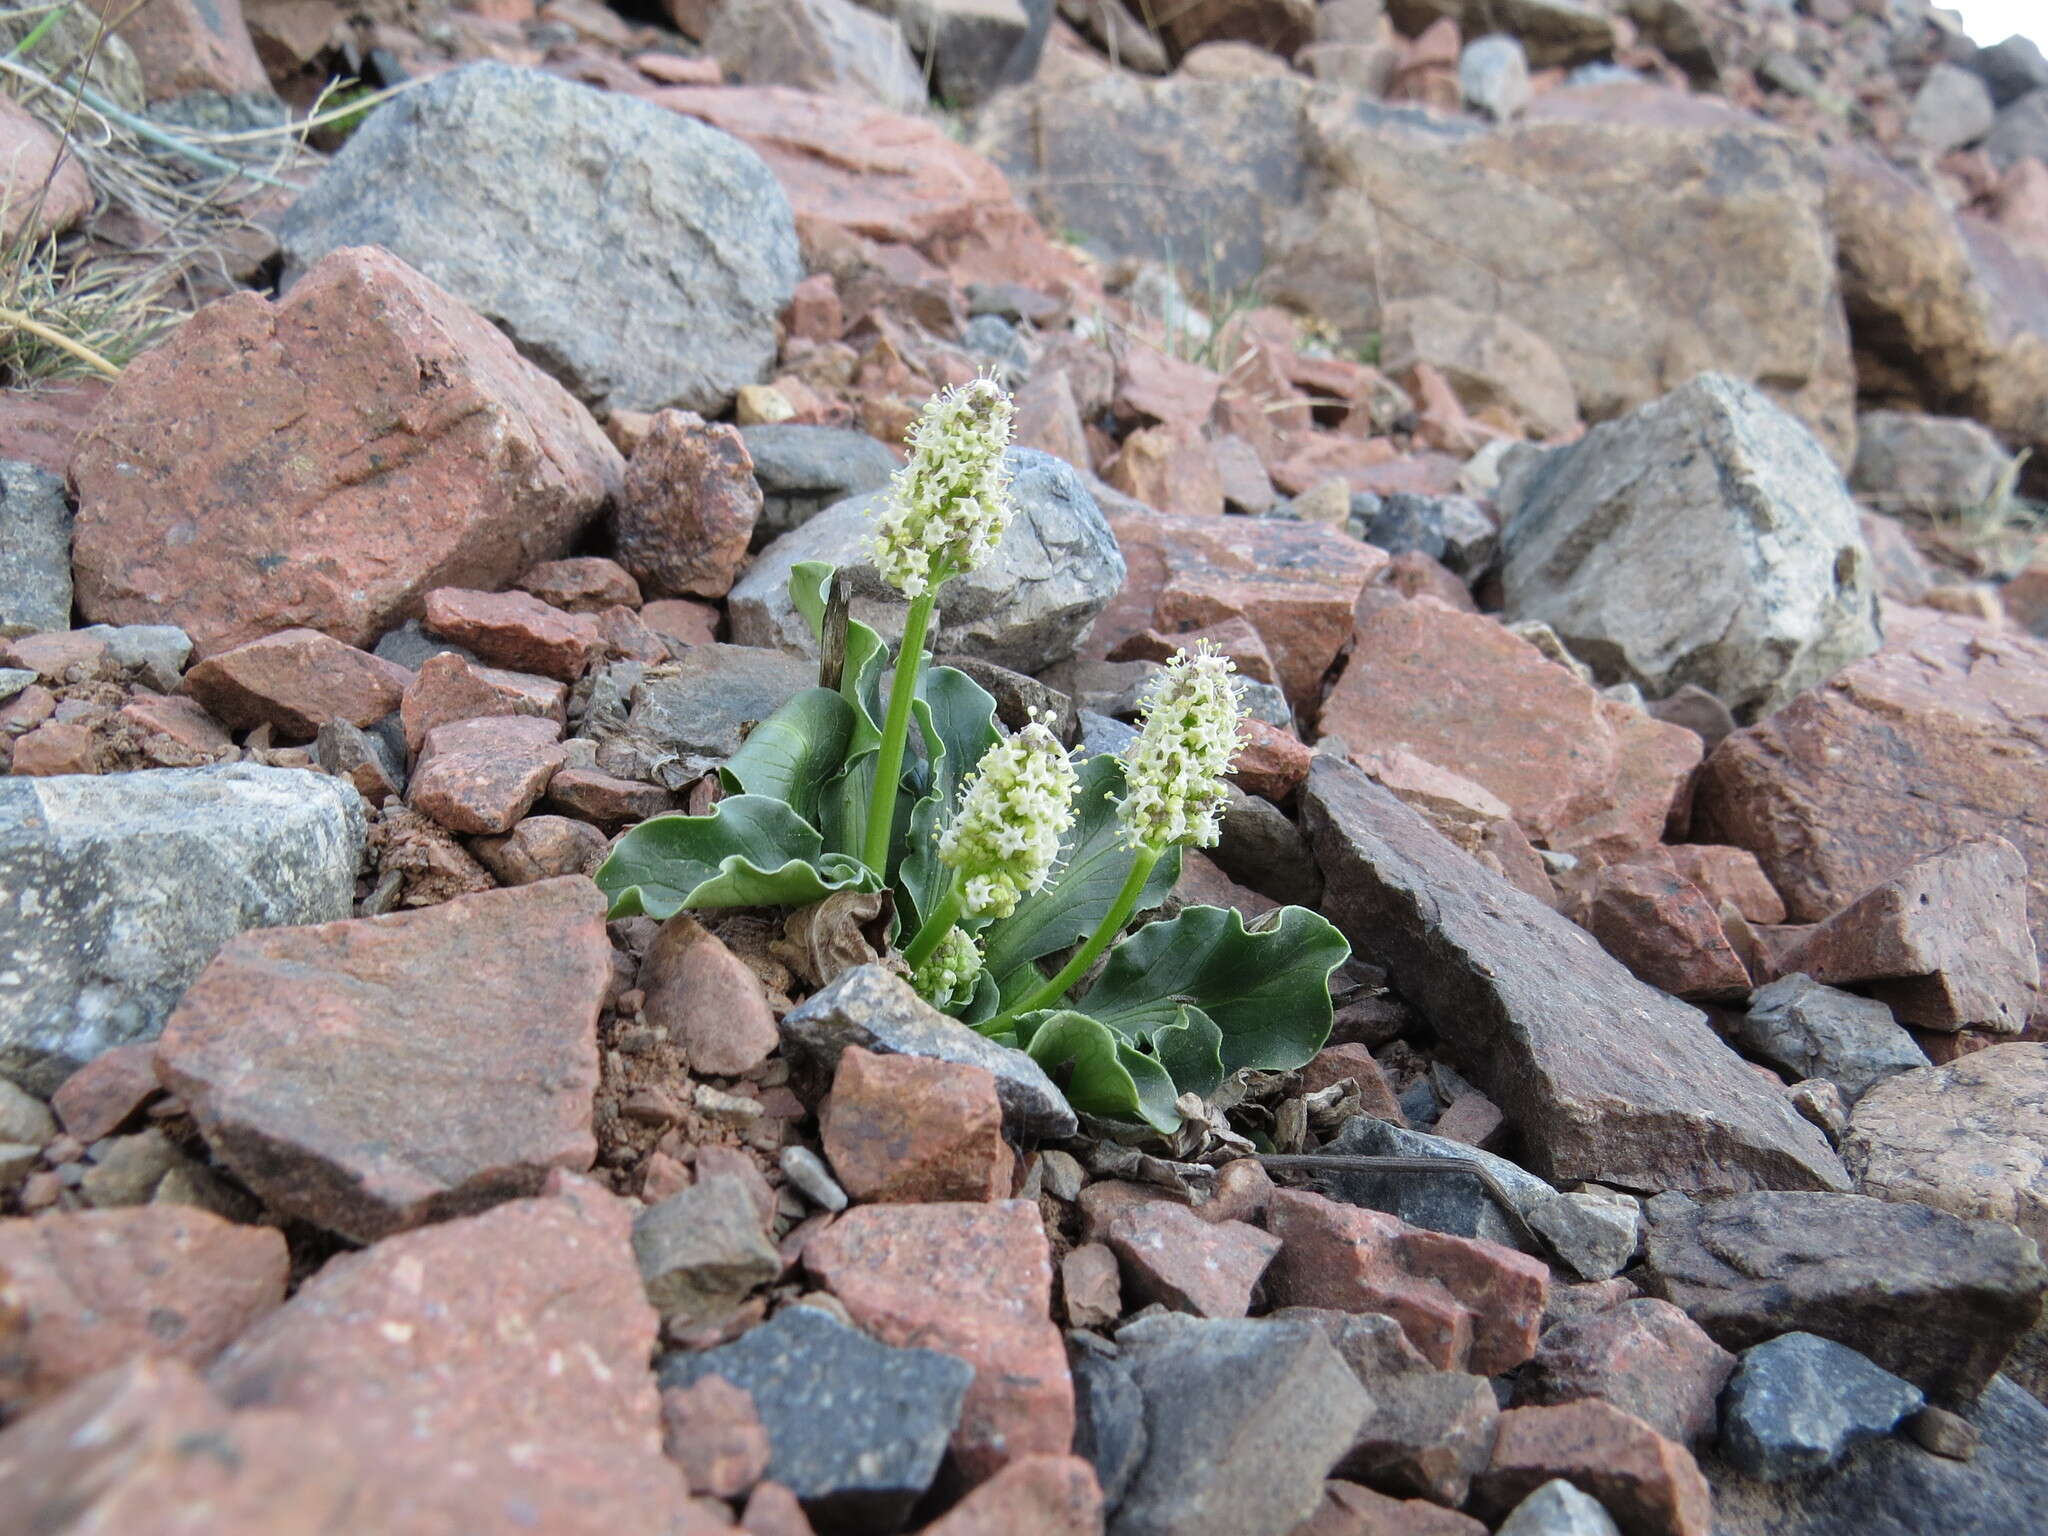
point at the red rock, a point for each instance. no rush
(1428, 1433)
(1305, 460)
(1048, 418)
(1664, 929)
(1102, 1201)
(324, 460)
(57, 747)
(1936, 726)
(375, 1074)
(1944, 943)
(1730, 875)
(448, 1360)
(514, 630)
(1334, 1063)
(707, 999)
(62, 656)
(1172, 1256)
(689, 507)
(2026, 600)
(179, 723)
(27, 710)
(1644, 1357)
(1234, 638)
(31, 197)
(1460, 1300)
(586, 584)
(1032, 1496)
(102, 1287)
(814, 312)
(1155, 386)
(482, 775)
(186, 46)
(610, 802)
(1247, 487)
(621, 633)
(1651, 1486)
(682, 621)
(40, 423)
(1470, 815)
(1471, 1118)
(909, 1128)
(296, 681)
(1168, 468)
(1091, 1286)
(711, 1431)
(772, 1510)
(101, 1096)
(972, 1280)
(1349, 1510)
(1580, 773)
(1295, 583)
(1272, 762)
(1414, 574)
(450, 688)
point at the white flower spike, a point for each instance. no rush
(948, 507)
(1013, 811)
(1187, 740)
(948, 969)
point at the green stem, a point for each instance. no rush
(896, 732)
(945, 917)
(1111, 925)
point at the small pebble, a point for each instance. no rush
(807, 1171)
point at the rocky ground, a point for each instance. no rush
(1597, 439)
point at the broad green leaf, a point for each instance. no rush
(793, 753)
(1092, 868)
(981, 1006)
(1191, 1050)
(1268, 992)
(843, 798)
(750, 851)
(956, 720)
(1100, 1073)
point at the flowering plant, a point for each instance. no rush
(999, 852)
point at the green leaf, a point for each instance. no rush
(1267, 992)
(1100, 1073)
(1093, 865)
(956, 719)
(1191, 1050)
(794, 752)
(750, 851)
(982, 1004)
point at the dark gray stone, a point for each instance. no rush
(115, 891)
(871, 1008)
(1936, 1298)
(1452, 529)
(1260, 847)
(1102, 736)
(637, 255)
(1018, 695)
(1428, 1435)
(2021, 131)
(689, 715)
(803, 470)
(1371, 1343)
(1799, 1402)
(1602, 1077)
(1454, 1202)
(855, 1429)
(1244, 1417)
(35, 550)
(1810, 1030)
(1055, 568)
(410, 646)
(1937, 466)
(2011, 68)
(1558, 1509)
(1109, 1421)
(1892, 1487)
(973, 50)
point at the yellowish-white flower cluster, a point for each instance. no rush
(948, 969)
(948, 507)
(1187, 740)
(1013, 811)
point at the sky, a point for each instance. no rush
(1993, 21)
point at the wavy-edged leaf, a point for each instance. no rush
(1191, 1050)
(792, 754)
(1099, 1073)
(862, 655)
(750, 851)
(1092, 868)
(1267, 992)
(956, 721)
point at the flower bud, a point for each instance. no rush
(947, 508)
(1013, 811)
(1187, 739)
(949, 969)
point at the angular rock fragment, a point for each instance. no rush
(702, 1250)
(1809, 1030)
(482, 775)
(1644, 1357)
(1799, 1402)
(296, 681)
(1650, 1485)
(1174, 1257)
(908, 1128)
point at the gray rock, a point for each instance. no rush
(702, 1250)
(1493, 76)
(686, 717)
(1706, 538)
(1602, 1077)
(807, 1171)
(1558, 1509)
(803, 470)
(1937, 466)
(1109, 1421)
(635, 254)
(1260, 847)
(1936, 1298)
(1798, 1403)
(2021, 131)
(154, 653)
(973, 47)
(1017, 695)
(410, 646)
(1891, 1487)
(1428, 1435)
(833, 47)
(1055, 568)
(2011, 68)
(23, 1116)
(17, 1161)
(1952, 108)
(855, 1429)
(35, 550)
(1456, 1202)
(1555, 31)
(115, 892)
(13, 680)
(1244, 1418)
(1453, 529)
(1371, 1343)
(1810, 1030)
(1267, 702)
(876, 1011)
(1103, 736)
(1594, 1235)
